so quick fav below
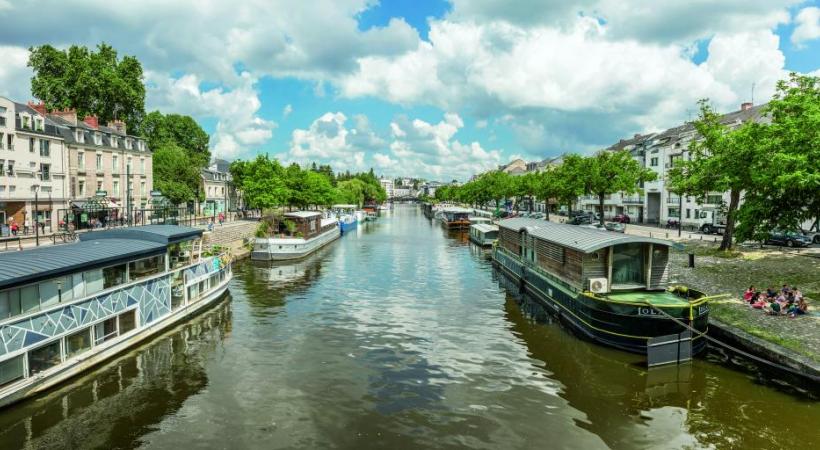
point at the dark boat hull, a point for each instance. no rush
(624, 326)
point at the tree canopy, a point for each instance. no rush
(608, 172)
(92, 82)
(184, 131)
(174, 175)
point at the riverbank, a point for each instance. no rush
(794, 342)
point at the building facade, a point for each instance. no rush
(33, 175)
(387, 184)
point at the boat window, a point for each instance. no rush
(30, 298)
(145, 267)
(193, 292)
(105, 330)
(179, 254)
(10, 303)
(177, 290)
(113, 276)
(11, 370)
(44, 357)
(628, 264)
(78, 342)
(49, 293)
(93, 281)
(128, 321)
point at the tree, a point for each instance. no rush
(263, 183)
(92, 82)
(526, 186)
(174, 175)
(183, 131)
(715, 164)
(498, 186)
(547, 187)
(607, 173)
(784, 190)
(350, 192)
(569, 180)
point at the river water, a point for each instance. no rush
(400, 335)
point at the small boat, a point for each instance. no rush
(294, 235)
(455, 218)
(609, 287)
(474, 220)
(66, 308)
(484, 234)
(386, 206)
(371, 216)
(346, 215)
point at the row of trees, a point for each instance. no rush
(772, 165)
(98, 82)
(601, 174)
(265, 183)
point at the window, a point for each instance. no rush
(26, 122)
(688, 213)
(114, 141)
(31, 142)
(11, 168)
(2, 121)
(128, 321)
(714, 199)
(673, 212)
(116, 188)
(114, 276)
(81, 160)
(1, 141)
(146, 267)
(38, 124)
(45, 147)
(12, 188)
(129, 165)
(628, 264)
(81, 188)
(29, 298)
(98, 138)
(44, 357)
(105, 330)
(128, 144)
(11, 370)
(2, 167)
(653, 162)
(10, 303)
(10, 140)
(142, 165)
(99, 162)
(99, 185)
(93, 281)
(115, 164)
(80, 136)
(78, 342)
(142, 188)
(45, 172)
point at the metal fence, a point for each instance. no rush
(94, 218)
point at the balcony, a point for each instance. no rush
(633, 200)
(673, 199)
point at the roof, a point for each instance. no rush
(42, 263)
(303, 214)
(484, 227)
(456, 209)
(162, 234)
(50, 128)
(585, 240)
(345, 206)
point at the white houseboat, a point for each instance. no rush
(294, 235)
(66, 308)
(483, 234)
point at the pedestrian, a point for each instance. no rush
(211, 224)
(221, 218)
(14, 227)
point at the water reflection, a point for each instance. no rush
(112, 406)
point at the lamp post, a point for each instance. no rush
(35, 222)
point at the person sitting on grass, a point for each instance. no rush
(797, 294)
(774, 308)
(799, 309)
(759, 302)
(771, 293)
(747, 296)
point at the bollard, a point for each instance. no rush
(691, 260)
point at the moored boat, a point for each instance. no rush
(294, 235)
(609, 287)
(347, 217)
(66, 308)
(455, 218)
(475, 220)
(484, 234)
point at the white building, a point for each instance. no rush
(387, 184)
(33, 163)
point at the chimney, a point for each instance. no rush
(118, 125)
(69, 115)
(92, 122)
(745, 105)
(39, 107)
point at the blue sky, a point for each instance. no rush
(438, 89)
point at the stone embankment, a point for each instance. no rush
(233, 235)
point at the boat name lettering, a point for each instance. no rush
(648, 311)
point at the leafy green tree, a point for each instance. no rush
(721, 160)
(184, 131)
(547, 187)
(569, 180)
(350, 192)
(784, 189)
(498, 186)
(607, 173)
(92, 82)
(263, 183)
(174, 175)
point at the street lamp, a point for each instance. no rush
(35, 222)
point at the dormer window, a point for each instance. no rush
(38, 124)
(128, 143)
(114, 142)
(80, 136)
(26, 121)
(98, 138)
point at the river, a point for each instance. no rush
(400, 335)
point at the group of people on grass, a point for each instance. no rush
(786, 301)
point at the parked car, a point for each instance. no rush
(580, 220)
(621, 218)
(537, 215)
(788, 238)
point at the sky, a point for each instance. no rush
(439, 89)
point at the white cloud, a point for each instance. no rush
(239, 127)
(14, 75)
(287, 110)
(807, 25)
(327, 140)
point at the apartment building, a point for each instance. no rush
(220, 195)
(33, 175)
(106, 165)
(387, 184)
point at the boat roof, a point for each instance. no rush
(303, 214)
(42, 263)
(345, 206)
(484, 227)
(456, 209)
(583, 239)
(479, 219)
(163, 234)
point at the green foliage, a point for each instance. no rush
(350, 192)
(174, 175)
(93, 82)
(262, 183)
(608, 173)
(181, 130)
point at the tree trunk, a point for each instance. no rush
(734, 199)
(601, 208)
(547, 209)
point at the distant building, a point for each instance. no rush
(220, 194)
(387, 184)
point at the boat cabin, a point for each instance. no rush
(299, 224)
(474, 220)
(578, 256)
(456, 218)
(483, 234)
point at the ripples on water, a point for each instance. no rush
(397, 336)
